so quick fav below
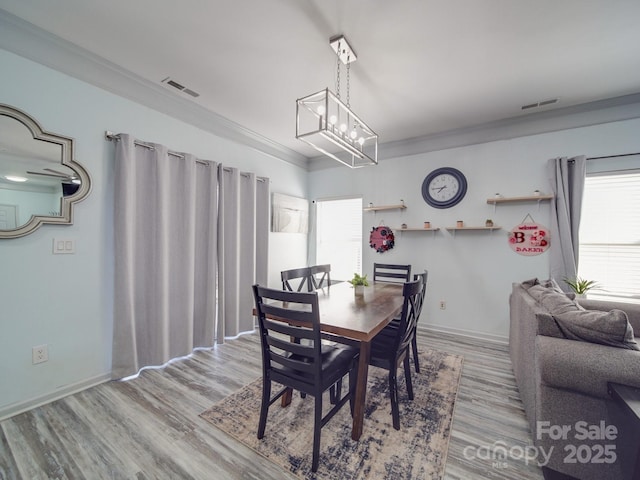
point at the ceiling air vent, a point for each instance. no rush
(180, 87)
(541, 103)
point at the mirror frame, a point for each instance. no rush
(66, 203)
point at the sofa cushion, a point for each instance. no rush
(552, 300)
(607, 328)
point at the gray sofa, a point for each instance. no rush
(562, 374)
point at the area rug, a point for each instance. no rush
(417, 451)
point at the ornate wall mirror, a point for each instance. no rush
(39, 180)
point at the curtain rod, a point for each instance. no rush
(614, 156)
(245, 174)
(115, 137)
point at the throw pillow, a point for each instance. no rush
(552, 300)
(607, 328)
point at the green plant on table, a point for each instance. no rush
(359, 280)
(579, 285)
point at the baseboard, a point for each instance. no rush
(485, 337)
(26, 405)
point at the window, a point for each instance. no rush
(339, 236)
(610, 234)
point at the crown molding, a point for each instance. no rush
(31, 42)
(593, 113)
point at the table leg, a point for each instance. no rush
(361, 390)
(285, 400)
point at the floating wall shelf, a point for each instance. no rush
(469, 229)
(401, 206)
(417, 229)
(452, 229)
(528, 198)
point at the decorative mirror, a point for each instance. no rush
(39, 180)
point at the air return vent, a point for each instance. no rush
(541, 103)
(180, 87)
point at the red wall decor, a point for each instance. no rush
(529, 238)
(381, 239)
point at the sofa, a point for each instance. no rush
(564, 351)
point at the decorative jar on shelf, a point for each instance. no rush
(459, 224)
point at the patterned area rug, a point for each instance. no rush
(417, 451)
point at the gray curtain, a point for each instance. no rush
(242, 248)
(566, 177)
(165, 223)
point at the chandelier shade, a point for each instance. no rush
(326, 123)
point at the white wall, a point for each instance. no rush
(65, 301)
(472, 271)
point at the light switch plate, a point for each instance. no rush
(62, 246)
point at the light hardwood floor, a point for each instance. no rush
(149, 427)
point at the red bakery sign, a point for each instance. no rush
(529, 239)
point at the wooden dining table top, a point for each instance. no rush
(359, 317)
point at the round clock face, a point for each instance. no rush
(444, 187)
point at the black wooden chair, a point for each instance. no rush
(419, 304)
(321, 276)
(385, 272)
(390, 348)
(296, 279)
(310, 368)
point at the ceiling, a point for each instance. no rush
(424, 66)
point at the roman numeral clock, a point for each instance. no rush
(444, 187)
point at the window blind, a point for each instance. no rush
(610, 233)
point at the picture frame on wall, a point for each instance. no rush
(289, 214)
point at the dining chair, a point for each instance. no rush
(420, 303)
(297, 278)
(393, 325)
(390, 348)
(386, 272)
(321, 276)
(311, 367)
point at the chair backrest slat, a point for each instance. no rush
(386, 272)
(296, 279)
(324, 273)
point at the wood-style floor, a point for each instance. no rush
(149, 427)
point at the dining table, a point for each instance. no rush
(354, 319)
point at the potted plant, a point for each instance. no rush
(580, 286)
(488, 223)
(359, 282)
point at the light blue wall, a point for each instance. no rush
(472, 271)
(65, 301)
(31, 202)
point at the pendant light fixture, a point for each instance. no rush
(327, 123)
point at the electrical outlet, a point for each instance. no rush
(39, 354)
(443, 305)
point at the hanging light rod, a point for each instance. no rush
(326, 123)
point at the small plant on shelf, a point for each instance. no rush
(488, 223)
(579, 285)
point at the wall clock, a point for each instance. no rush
(444, 187)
